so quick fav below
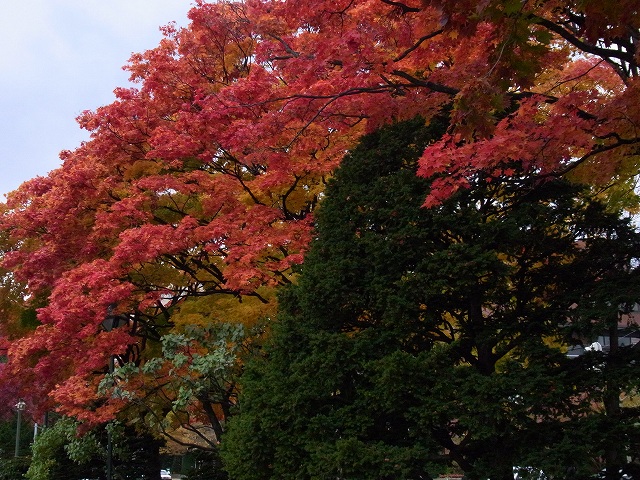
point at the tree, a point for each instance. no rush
(187, 392)
(51, 460)
(61, 451)
(420, 340)
(216, 161)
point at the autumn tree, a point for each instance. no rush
(201, 181)
(92, 252)
(419, 340)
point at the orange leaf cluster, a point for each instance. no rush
(203, 179)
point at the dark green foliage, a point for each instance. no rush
(8, 437)
(420, 340)
(13, 468)
(206, 466)
(51, 454)
(136, 454)
(61, 453)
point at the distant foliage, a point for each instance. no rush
(13, 468)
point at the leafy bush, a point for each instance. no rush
(14, 468)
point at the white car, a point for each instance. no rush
(165, 475)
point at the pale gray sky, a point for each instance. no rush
(58, 58)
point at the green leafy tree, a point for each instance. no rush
(207, 465)
(65, 451)
(59, 452)
(420, 340)
(13, 468)
(186, 393)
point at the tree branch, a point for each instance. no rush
(417, 44)
(607, 54)
(403, 8)
(436, 87)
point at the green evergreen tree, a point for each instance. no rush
(423, 340)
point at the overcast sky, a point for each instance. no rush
(58, 58)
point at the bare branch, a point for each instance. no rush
(436, 87)
(403, 8)
(596, 151)
(608, 54)
(287, 48)
(417, 44)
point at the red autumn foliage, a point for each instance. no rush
(203, 178)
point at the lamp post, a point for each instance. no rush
(20, 406)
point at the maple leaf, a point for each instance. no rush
(202, 179)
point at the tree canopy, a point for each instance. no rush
(422, 340)
(201, 181)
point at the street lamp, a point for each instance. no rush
(20, 406)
